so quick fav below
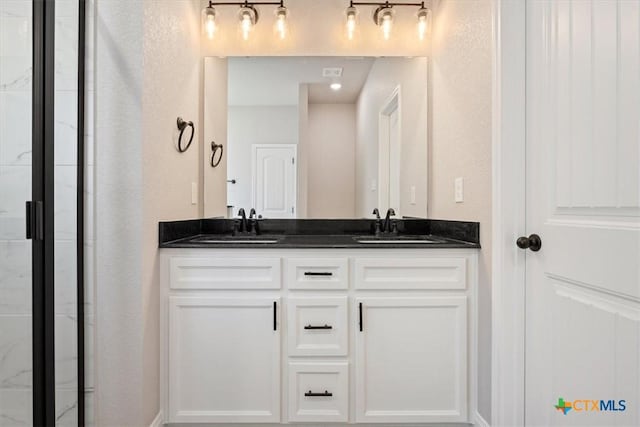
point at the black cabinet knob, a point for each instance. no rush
(532, 242)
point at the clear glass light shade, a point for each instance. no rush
(352, 22)
(281, 21)
(209, 22)
(248, 18)
(424, 23)
(385, 21)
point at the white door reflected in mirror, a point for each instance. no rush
(361, 147)
(274, 180)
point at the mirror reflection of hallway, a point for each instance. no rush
(358, 124)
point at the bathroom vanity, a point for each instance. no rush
(318, 321)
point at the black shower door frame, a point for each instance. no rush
(40, 213)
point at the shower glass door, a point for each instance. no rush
(41, 158)
(16, 77)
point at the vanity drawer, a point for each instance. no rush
(318, 392)
(317, 326)
(317, 273)
(224, 273)
(411, 273)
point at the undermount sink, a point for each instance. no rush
(396, 240)
(236, 239)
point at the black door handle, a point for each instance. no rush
(318, 273)
(532, 242)
(318, 327)
(312, 394)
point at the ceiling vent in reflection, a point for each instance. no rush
(332, 72)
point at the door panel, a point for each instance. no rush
(274, 180)
(236, 334)
(411, 360)
(583, 174)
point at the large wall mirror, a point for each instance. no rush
(316, 137)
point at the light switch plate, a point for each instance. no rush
(413, 194)
(459, 190)
(374, 185)
(194, 193)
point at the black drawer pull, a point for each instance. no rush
(275, 316)
(318, 273)
(312, 394)
(318, 327)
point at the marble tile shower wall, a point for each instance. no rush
(15, 188)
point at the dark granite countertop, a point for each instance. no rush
(318, 233)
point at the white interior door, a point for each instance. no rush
(394, 160)
(583, 199)
(274, 180)
(389, 152)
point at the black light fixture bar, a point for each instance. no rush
(246, 3)
(385, 3)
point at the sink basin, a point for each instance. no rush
(236, 239)
(397, 240)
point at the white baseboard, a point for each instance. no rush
(480, 421)
(157, 421)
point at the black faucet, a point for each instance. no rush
(243, 221)
(387, 220)
(378, 223)
(253, 222)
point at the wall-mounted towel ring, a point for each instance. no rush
(214, 149)
(182, 125)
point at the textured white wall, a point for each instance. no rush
(461, 142)
(119, 216)
(147, 73)
(254, 125)
(385, 76)
(331, 161)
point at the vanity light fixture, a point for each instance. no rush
(209, 21)
(281, 21)
(383, 17)
(424, 22)
(352, 21)
(248, 16)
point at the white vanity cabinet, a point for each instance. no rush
(224, 359)
(318, 335)
(411, 359)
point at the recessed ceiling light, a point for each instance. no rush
(336, 86)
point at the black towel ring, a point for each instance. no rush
(214, 149)
(182, 125)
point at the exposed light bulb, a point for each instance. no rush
(335, 86)
(424, 22)
(387, 24)
(246, 26)
(248, 17)
(281, 21)
(352, 15)
(209, 21)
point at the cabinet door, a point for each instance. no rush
(224, 359)
(411, 359)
